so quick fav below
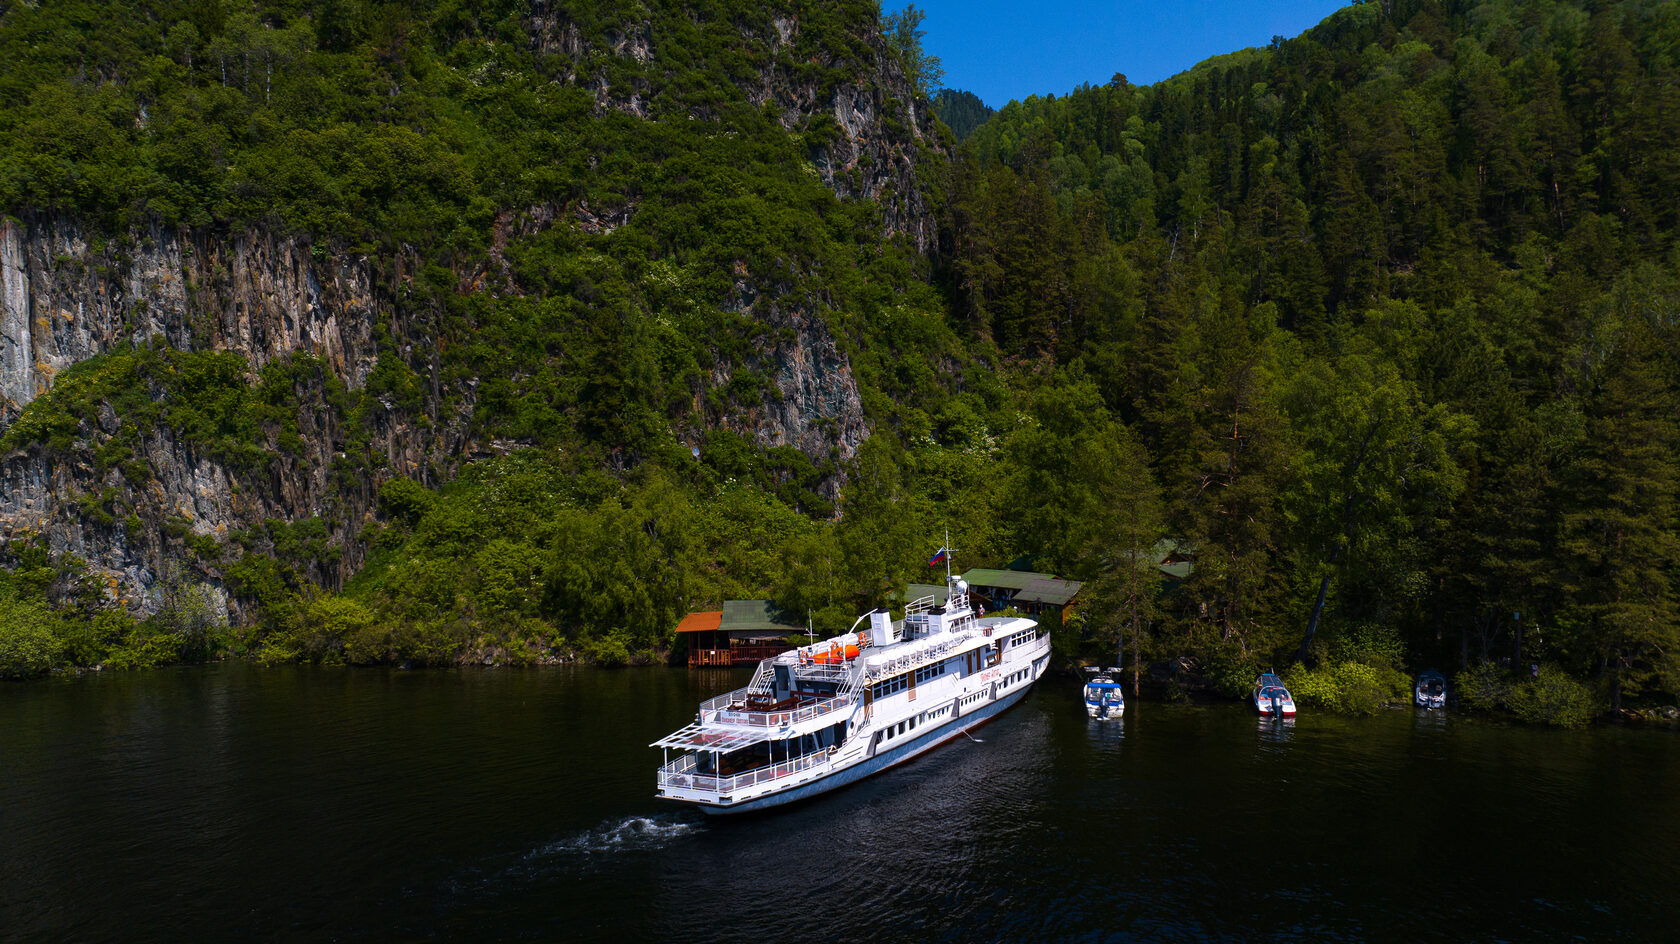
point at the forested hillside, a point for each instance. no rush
(1393, 307)
(961, 111)
(277, 272)
(431, 332)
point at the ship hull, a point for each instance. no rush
(852, 773)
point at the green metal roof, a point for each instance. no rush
(1049, 590)
(916, 591)
(743, 616)
(1011, 579)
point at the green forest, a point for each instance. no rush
(1378, 324)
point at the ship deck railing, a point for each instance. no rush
(732, 709)
(959, 615)
(684, 773)
(915, 659)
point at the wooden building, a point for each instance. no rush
(1032, 593)
(742, 633)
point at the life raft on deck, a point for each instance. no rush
(835, 654)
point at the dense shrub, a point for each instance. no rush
(1552, 698)
(1230, 672)
(29, 646)
(1482, 688)
(1352, 687)
(610, 651)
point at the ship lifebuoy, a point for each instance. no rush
(863, 640)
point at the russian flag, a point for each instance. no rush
(939, 556)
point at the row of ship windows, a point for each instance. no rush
(899, 683)
(909, 724)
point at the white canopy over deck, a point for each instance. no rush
(698, 737)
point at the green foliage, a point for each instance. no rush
(327, 627)
(29, 643)
(405, 501)
(610, 651)
(1482, 687)
(1374, 325)
(1552, 698)
(961, 111)
(419, 642)
(1231, 673)
(1351, 687)
(206, 399)
(146, 644)
(904, 36)
(1394, 364)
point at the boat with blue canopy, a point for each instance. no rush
(1272, 698)
(1105, 695)
(1431, 690)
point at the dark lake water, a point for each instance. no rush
(336, 804)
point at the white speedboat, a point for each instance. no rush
(1432, 690)
(1271, 698)
(1105, 695)
(833, 712)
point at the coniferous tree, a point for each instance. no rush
(1618, 529)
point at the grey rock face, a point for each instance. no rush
(66, 296)
(64, 299)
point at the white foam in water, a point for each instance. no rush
(633, 833)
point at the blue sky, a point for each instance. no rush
(1006, 50)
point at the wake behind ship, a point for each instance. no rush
(833, 712)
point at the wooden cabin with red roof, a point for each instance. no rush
(742, 633)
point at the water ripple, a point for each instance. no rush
(629, 834)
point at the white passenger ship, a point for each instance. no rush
(833, 712)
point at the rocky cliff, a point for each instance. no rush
(870, 132)
(67, 298)
(68, 294)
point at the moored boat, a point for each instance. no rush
(1105, 695)
(1272, 698)
(833, 712)
(1432, 690)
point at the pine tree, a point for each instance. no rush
(1618, 531)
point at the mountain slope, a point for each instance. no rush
(1370, 297)
(383, 239)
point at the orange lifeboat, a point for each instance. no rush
(835, 654)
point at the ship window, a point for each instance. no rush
(897, 683)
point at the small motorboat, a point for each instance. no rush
(1271, 698)
(1432, 690)
(1105, 695)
